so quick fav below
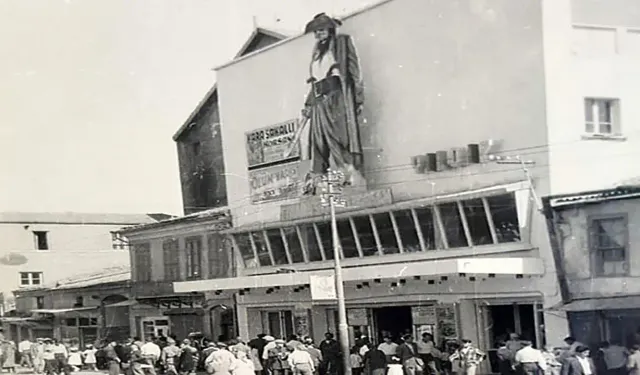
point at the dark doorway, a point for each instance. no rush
(393, 321)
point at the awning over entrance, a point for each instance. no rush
(427, 268)
(75, 311)
(29, 322)
(599, 304)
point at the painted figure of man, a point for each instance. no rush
(334, 103)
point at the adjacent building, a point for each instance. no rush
(90, 307)
(592, 70)
(190, 247)
(597, 254)
(41, 248)
(446, 236)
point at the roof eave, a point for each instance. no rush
(562, 201)
(187, 124)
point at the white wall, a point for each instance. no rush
(73, 249)
(605, 63)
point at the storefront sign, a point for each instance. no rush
(311, 207)
(447, 324)
(268, 145)
(322, 287)
(357, 317)
(456, 157)
(424, 315)
(274, 183)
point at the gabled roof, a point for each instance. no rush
(257, 33)
(219, 216)
(77, 218)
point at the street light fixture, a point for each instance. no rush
(331, 196)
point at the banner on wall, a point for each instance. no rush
(322, 287)
(268, 145)
(277, 182)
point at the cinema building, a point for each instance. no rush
(446, 236)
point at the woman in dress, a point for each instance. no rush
(89, 356)
(75, 358)
(334, 103)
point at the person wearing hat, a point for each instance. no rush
(277, 358)
(334, 104)
(37, 353)
(170, 355)
(270, 344)
(89, 357)
(188, 358)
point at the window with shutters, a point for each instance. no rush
(218, 260)
(193, 247)
(608, 239)
(171, 259)
(142, 261)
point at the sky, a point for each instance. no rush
(91, 92)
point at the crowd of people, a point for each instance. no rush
(266, 355)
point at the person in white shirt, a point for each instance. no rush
(615, 358)
(151, 354)
(300, 360)
(389, 348)
(271, 343)
(24, 347)
(530, 360)
(428, 353)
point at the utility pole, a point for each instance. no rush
(332, 197)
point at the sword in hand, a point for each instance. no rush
(302, 124)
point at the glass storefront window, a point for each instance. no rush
(427, 226)
(453, 225)
(349, 247)
(246, 251)
(325, 236)
(365, 235)
(263, 251)
(386, 233)
(310, 242)
(477, 221)
(295, 249)
(277, 247)
(505, 217)
(407, 229)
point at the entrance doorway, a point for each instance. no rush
(507, 319)
(503, 320)
(393, 321)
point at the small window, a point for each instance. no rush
(196, 148)
(601, 116)
(365, 235)
(243, 242)
(609, 246)
(30, 278)
(41, 241)
(453, 227)
(79, 302)
(118, 241)
(347, 241)
(277, 247)
(40, 302)
(293, 241)
(310, 242)
(194, 257)
(70, 322)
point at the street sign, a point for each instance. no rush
(322, 287)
